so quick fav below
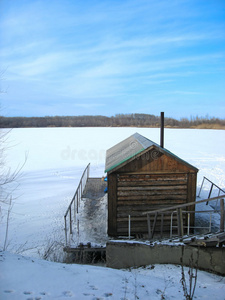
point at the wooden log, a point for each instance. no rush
(153, 188)
(151, 206)
(149, 193)
(123, 218)
(156, 176)
(153, 202)
(151, 183)
(153, 197)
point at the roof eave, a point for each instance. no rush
(139, 153)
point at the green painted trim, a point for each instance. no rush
(122, 161)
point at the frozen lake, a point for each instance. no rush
(56, 158)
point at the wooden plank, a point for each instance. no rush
(142, 208)
(128, 183)
(137, 230)
(154, 197)
(152, 178)
(123, 218)
(149, 203)
(157, 173)
(141, 229)
(112, 204)
(153, 187)
(150, 175)
(184, 205)
(149, 193)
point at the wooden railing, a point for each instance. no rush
(179, 209)
(74, 205)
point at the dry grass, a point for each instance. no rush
(210, 126)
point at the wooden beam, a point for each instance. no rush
(182, 205)
(180, 222)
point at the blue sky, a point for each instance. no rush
(103, 57)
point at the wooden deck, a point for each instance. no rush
(94, 188)
(90, 225)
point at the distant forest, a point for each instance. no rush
(119, 120)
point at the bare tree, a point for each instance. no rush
(8, 184)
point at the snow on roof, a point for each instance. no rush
(129, 148)
(125, 150)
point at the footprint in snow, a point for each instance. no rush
(94, 288)
(108, 294)
(8, 291)
(68, 294)
(27, 293)
(43, 293)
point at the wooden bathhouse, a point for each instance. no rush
(143, 176)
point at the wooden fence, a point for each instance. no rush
(70, 216)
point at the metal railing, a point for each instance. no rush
(74, 205)
(211, 188)
(180, 211)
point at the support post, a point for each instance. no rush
(71, 229)
(149, 226)
(161, 229)
(201, 186)
(74, 202)
(129, 227)
(221, 215)
(180, 222)
(188, 227)
(171, 225)
(65, 230)
(162, 130)
(210, 193)
(154, 224)
(77, 201)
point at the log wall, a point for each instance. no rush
(137, 193)
(147, 183)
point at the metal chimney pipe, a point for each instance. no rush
(162, 130)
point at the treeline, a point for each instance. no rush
(119, 120)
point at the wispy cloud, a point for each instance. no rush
(121, 50)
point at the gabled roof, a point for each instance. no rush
(132, 146)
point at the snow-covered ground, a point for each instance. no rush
(56, 158)
(31, 278)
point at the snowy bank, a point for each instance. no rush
(30, 278)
